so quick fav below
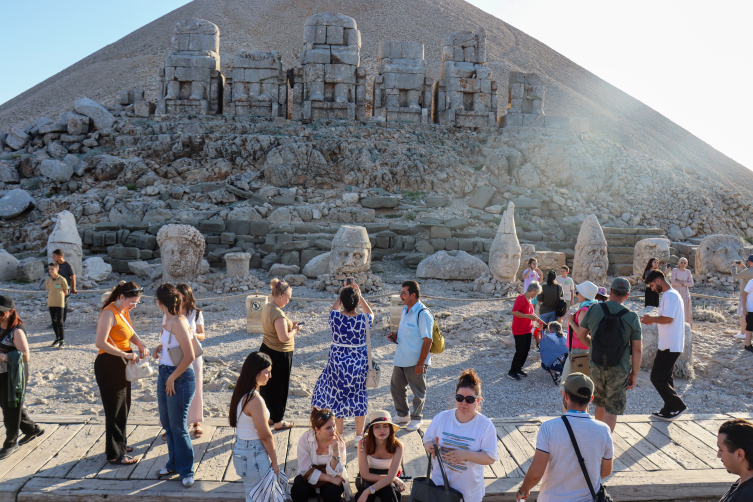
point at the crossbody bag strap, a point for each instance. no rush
(368, 340)
(580, 457)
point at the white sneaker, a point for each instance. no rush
(188, 482)
(356, 440)
(401, 420)
(739, 335)
(414, 425)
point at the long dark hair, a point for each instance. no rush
(189, 303)
(246, 386)
(13, 319)
(648, 267)
(391, 443)
(167, 294)
(350, 299)
(551, 278)
(319, 417)
(128, 289)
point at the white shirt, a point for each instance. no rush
(749, 301)
(307, 458)
(672, 335)
(567, 287)
(194, 319)
(245, 427)
(477, 435)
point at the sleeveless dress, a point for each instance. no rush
(341, 387)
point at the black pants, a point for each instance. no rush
(15, 419)
(389, 493)
(302, 490)
(65, 310)
(57, 316)
(275, 393)
(115, 391)
(522, 346)
(663, 380)
(652, 298)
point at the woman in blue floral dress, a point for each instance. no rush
(342, 385)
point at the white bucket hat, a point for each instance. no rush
(588, 289)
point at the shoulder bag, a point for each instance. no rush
(578, 363)
(176, 353)
(372, 377)
(602, 496)
(425, 490)
(139, 370)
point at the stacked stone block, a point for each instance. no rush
(191, 81)
(259, 85)
(401, 90)
(329, 83)
(465, 95)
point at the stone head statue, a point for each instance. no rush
(717, 254)
(591, 261)
(181, 248)
(351, 251)
(650, 248)
(66, 238)
(504, 255)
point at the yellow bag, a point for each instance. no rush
(437, 339)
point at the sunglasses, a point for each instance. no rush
(326, 417)
(137, 291)
(468, 399)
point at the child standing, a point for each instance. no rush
(57, 289)
(568, 285)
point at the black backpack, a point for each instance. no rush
(608, 342)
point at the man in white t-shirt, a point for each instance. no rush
(746, 299)
(555, 462)
(671, 325)
(568, 285)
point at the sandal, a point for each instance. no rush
(197, 430)
(129, 449)
(285, 425)
(124, 460)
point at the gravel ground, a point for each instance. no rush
(62, 381)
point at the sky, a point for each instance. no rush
(690, 60)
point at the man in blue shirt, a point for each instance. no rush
(412, 356)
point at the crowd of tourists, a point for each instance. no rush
(589, 342)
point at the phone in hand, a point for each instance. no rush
(301, 323)
(349, 281)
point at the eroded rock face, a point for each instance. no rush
(181, 248)
(66, 238)
(451, 265)
(650, 248)
(95, 269)
(716, 254)
(504, 255)
(591, 260)
(351, 251)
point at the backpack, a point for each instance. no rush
(608, 340)
(437, 340)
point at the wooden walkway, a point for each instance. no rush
(654, 460)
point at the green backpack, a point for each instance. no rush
(437, 340)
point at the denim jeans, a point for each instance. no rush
(251, 461)
(173, 413)
(549, 317)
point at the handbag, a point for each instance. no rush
(372, 377)
(425, 490)
(139, 370)
(602, 495)
(176, 353)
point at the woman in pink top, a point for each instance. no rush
(585, 293)
(682, 279)
(523, 315)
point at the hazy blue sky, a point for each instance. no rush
(690, 60)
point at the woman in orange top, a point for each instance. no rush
(114, 338)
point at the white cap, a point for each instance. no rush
(588, 289)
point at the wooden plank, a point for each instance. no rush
(282, 440)
(60, 419)
(695, 429)
(530, 432)
(505, 466)
(629, 457)
(352, 461)
(95, 459)
(141, 440)
(646, 448)
(746, 416)
(65, 459)
(415, 460)
(45, 451)
(291, 459)
(711, 425)
(217, 457)
(201, 444)
(518, 446)
(24, 450)
(153, 460)
(680, 444)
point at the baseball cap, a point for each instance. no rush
(575, 383)
(6, 303)
(750, 258)
(620, 286)
(587, 289)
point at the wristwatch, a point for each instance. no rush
(372, 490)
(336, 457)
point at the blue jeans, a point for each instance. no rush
(173, 413)
(549, 317)
(251, 461)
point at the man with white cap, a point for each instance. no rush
(585, 294)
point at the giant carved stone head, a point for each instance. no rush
(591, 261)
(66, 238)
(646, 249)
(504, 255)
(351, 251)
(717, 254)
(181, 248)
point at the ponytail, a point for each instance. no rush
(168, 295)
(128, 289)
(278, 287)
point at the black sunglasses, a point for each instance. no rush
(137, 291)
(326, 417)
(468, 399)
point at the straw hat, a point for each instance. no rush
(381, 417)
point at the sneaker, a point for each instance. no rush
(669, 415)
(739, 336)
(61, 344)
(356, 440)
(5, 452)
(55, 342)
(514, 376)
(522, 373)
(414, 425)
(188, 482)
(749, 348)
(165, 472)
(28, 437)
(401, 420)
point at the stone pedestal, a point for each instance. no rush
(254, 304)
(237, 264)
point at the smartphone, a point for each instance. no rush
(301, 323)
(349, 280)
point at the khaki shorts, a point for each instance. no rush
(566, 368)
(610, 389)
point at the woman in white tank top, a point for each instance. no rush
(379, 456)
(254, 450)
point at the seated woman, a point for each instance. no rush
(321, 461)
(379, 457)
(554, 351)
(467, 440)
